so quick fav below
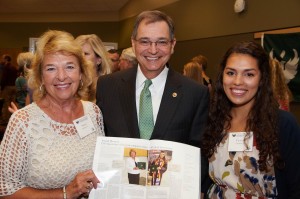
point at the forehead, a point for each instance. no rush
(241, 61)
(158, 29)
(60, 57)
(87, 46)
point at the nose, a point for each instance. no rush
(238, 80)
(153, 48)
(61, 74)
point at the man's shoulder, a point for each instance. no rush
(124, 74)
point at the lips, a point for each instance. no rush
(152, 58)
(62, 86)
(238, 91)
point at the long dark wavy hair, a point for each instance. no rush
(262, 118)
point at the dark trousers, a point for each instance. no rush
(133, 178)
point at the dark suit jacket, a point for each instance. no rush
(181, 117)
(182, 113)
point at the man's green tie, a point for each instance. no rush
(146, 123)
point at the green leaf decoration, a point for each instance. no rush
(225, 174)
(240, 187)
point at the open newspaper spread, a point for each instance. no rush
(131, 168)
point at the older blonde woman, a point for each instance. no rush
(45, 151)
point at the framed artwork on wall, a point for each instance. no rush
(110, 45)
(32, 44)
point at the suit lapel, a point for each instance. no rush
(169, 102)
(128, 102)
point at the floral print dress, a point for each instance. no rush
(236, 175)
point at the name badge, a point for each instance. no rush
(84, 126)
(237, 142)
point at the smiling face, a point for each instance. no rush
(132, 154)
(241, 78)
(162, 155)
(153, 58)
(61, 76)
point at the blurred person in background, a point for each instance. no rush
(24, 94)
(202, 61)
(127, 59)
(95, 51)
(114, 56)
(281, 90)
(194, 71)
(8, 88)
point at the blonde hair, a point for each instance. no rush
(24, 62)
(25, 59)
(54, 41)
(99, 49)
(193, 70)
(201, 60)
(280, 88)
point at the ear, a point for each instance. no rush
(99, 60)
(173, 46)
(133, 45)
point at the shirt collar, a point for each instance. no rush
(156, 82)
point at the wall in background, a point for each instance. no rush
(206, 27)
(16, 35)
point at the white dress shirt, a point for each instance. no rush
(156, 88)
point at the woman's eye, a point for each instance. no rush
(230, 73)
(70, 67)
(249, 74)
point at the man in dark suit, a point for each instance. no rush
(180, 105)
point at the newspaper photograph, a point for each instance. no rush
(131, 168)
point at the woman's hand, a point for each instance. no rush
(13, 107)
(82, 184)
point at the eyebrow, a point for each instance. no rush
(71, 62)
(147, 38)
(247, 70)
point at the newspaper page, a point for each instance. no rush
(131, 168)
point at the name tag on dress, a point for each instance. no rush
(84, 126)
(237, 142)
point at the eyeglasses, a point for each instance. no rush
(159, 43)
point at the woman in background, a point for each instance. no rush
(24, 94)
(202, 61)
(252, 146)
(95, 51)
(45, 152)
(194, 71)
(281, 90)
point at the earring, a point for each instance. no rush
(41, 88)
(81, 84)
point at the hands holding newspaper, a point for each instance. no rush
(82, 184)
